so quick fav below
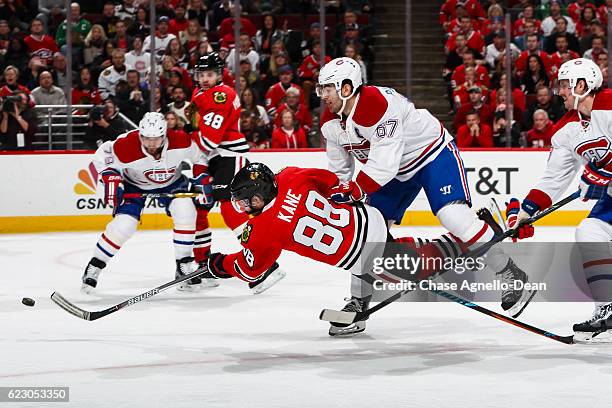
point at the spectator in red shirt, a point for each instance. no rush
(528, 15)
(533, 48)
(473, 37)
(597, 48)
(287, 136)
(543, 130)
(574, 9)
(308, 72)
(476, 103)
(473, 133)
(461, 93)
(495, 12)
(558, 57)
(85, 92)
(587, 17)
(448, 11)
(303, 118)
(277, 92)
(11, 75)
(179, 22)
(469, 61)
(227, 27)
(40, 44)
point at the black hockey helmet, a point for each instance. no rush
(210, 62)
(253, 179)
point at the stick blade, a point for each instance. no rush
(69, 307)
(337, 316)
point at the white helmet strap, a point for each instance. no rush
(342, 98)
(577, 97)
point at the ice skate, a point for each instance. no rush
(597, 328)
(514, 300)
(91, 274)
(185, 266)
(267, 280)
(354, 305)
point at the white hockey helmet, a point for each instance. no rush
(581, 68)
(336, 72)
(153, 124)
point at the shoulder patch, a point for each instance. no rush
(219, 97)
(371, 107)
(246, 233)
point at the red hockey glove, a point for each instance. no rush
(517, 213)
(348, 192)
(113, 187)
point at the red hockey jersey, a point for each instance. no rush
(302, 220)
(217, 119)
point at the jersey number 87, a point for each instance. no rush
(310, 232)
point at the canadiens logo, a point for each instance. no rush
(160, 176)
(246, 233)
(220, 97)
(597, 150)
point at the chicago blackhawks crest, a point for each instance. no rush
(219, 97)
(246, 233)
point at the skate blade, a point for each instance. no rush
(347, 331)
(518, 308)
(189, 288)
(209, 283)
(604, 337)
(270, 281)
(87, 289)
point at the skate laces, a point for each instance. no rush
(353, 305)
(92, 272)
(600, 312)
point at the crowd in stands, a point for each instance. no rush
(544, 34)
(278, 54)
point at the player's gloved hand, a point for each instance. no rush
(202, 184)
(516, 213)
(215, 267)
(594, 182)
(113, 187)
(348, 192)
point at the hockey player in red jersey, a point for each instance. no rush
(219, 137)
(404, 150)
(582, 139)
(147, 160)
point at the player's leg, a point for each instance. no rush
(445, 183)
(594, 238)
(117, 232)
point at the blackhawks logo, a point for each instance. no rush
(220, 97)
(246, 233)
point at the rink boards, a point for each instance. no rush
(56, 191)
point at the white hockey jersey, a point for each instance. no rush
(387, 133)
(574, 144)
(137, 167)
(108, 80)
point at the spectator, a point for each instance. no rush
(277, 92)
(496, 50)
(314, 33)
(546, 102)
(227, 27)
(461, 92)
(104, 124)
(596, 30)
(251, 76)
(163, 9)
(603, 10)
(602, 60)
(249, 104)
(10, 87)
(267, 36)
(51, 13)
(191, 37)
(550, 22)
(179, 104)
(162, 38)
(40, 44)
(302, 116)
(529, 29)
(575, 9)
(17, 53)
(174, 122)
(543, 130)
(535, 75)
(109, 19)
(179, 22)
(60, 71)
(518, 97)
(94, 44)
(597, 48)
(448, 11)
(18, 125)
(475, 103)
(519, 26)
(469, 61)
(159, 101)
(85, 92)
(47, 93)
(352, 36)
(286, 136)
(256, 135)
(16, 14)
(5, 36)
(196, 10)
(176, 51)
(587, 16)
(220, 11)
(104, 60)
(133, 102)
(138, 59)
(349, 23)
(495, 12)
(473, 133)
(126, 10)
(110, 76)
(30, 75)
(562, 47)
(245, 51)
(204, 48)
(474, 39)
(499, 131)
(308, 72)
(80, 27)
(121, 39)
(551, 43)
(350, 51)
(532, 48)
(140, 26)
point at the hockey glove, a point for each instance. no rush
(348, 192)
(113, 187)
(202, 184)
(594, 182)
(215, 267)
(516, 213)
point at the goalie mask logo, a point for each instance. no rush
(246, 233)
(160, 176)
(220, 97)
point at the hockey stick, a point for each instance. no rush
(85, 315)
(524, 326)
(338, 316)
(185, 194)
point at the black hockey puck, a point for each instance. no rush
(28, 302)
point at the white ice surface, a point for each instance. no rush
(228, 348)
